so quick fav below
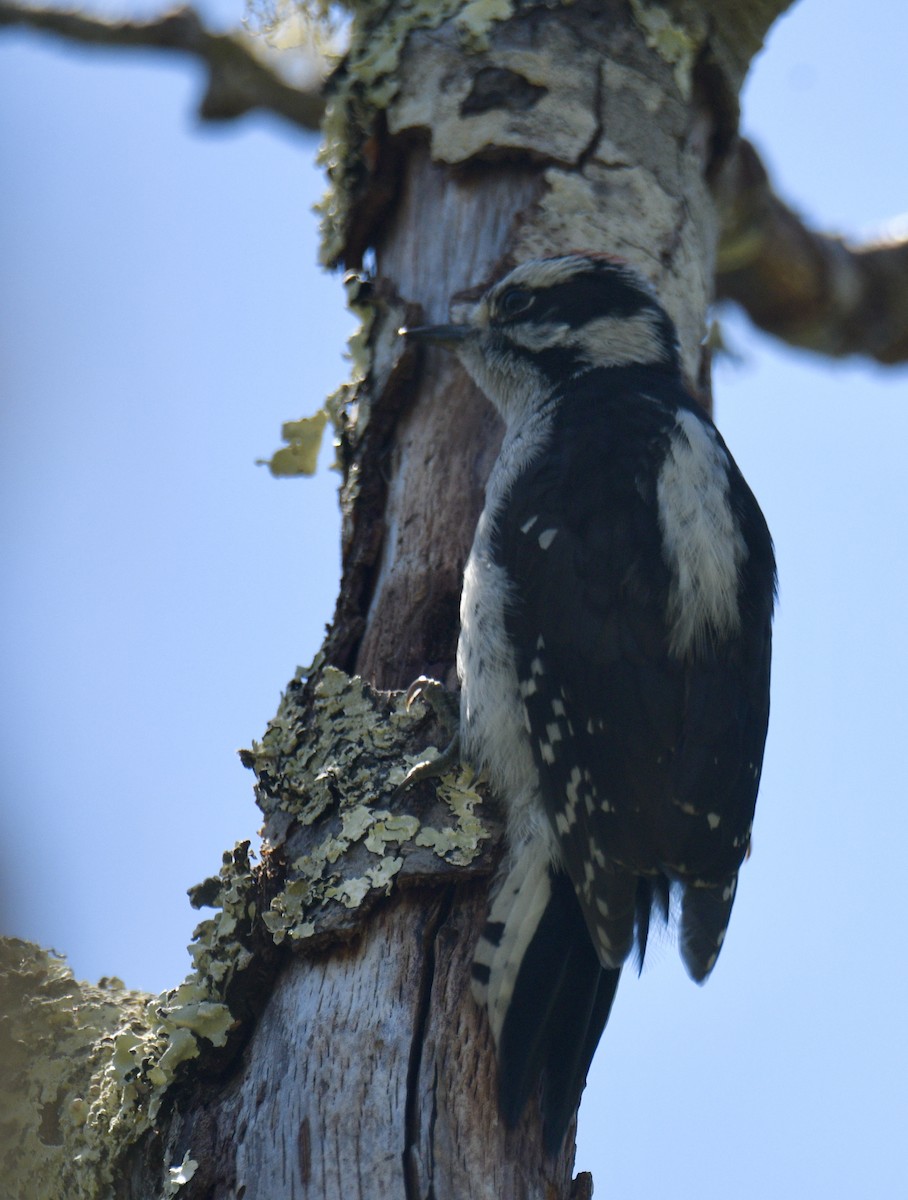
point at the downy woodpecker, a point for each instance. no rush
(614, 659)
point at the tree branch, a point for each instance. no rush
(238, 79)
(810, 289)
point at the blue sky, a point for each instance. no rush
(161, 315)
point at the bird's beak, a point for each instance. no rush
(442, 335)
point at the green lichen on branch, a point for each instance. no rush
(304, 440)
(85, 1069)
(676, 39)
(61, 1103)
(328, 774)
(344, 408)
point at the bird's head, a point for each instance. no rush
(551, 320)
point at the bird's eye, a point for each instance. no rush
(515, 300)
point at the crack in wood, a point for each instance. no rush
(420, 1025)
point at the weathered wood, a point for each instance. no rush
(368, 1077)
(446, 441)
(320, 1105)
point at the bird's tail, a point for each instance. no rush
(705, 912)
(547, 995)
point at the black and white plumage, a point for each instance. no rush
(614, 659)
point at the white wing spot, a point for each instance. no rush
(546, 538)
(528, 525)
(564, 821)
(573, 784)
(713, 819)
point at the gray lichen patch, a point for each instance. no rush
(328, 773)
(675, 36)
(65, 1110)
(304, 440)
(458, 841)
(86, 1068)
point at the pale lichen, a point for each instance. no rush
(675, 42)
(327, 770)
(86, 1068)
(180, 1174)
(557, 121)
(304, 440)
(476, 17)
(60, 1100)
(458, 842)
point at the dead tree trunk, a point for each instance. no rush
(349, 1059)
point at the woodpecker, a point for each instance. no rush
(614, 660)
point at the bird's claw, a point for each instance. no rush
(446, 708)
(444, 704)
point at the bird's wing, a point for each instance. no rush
(643, 758)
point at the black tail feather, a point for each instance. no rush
(569, 1060)
(704, 919)
(561, 1002)
(653, 898)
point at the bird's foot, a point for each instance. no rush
(446, 708)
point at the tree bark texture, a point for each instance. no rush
(349, 1059)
